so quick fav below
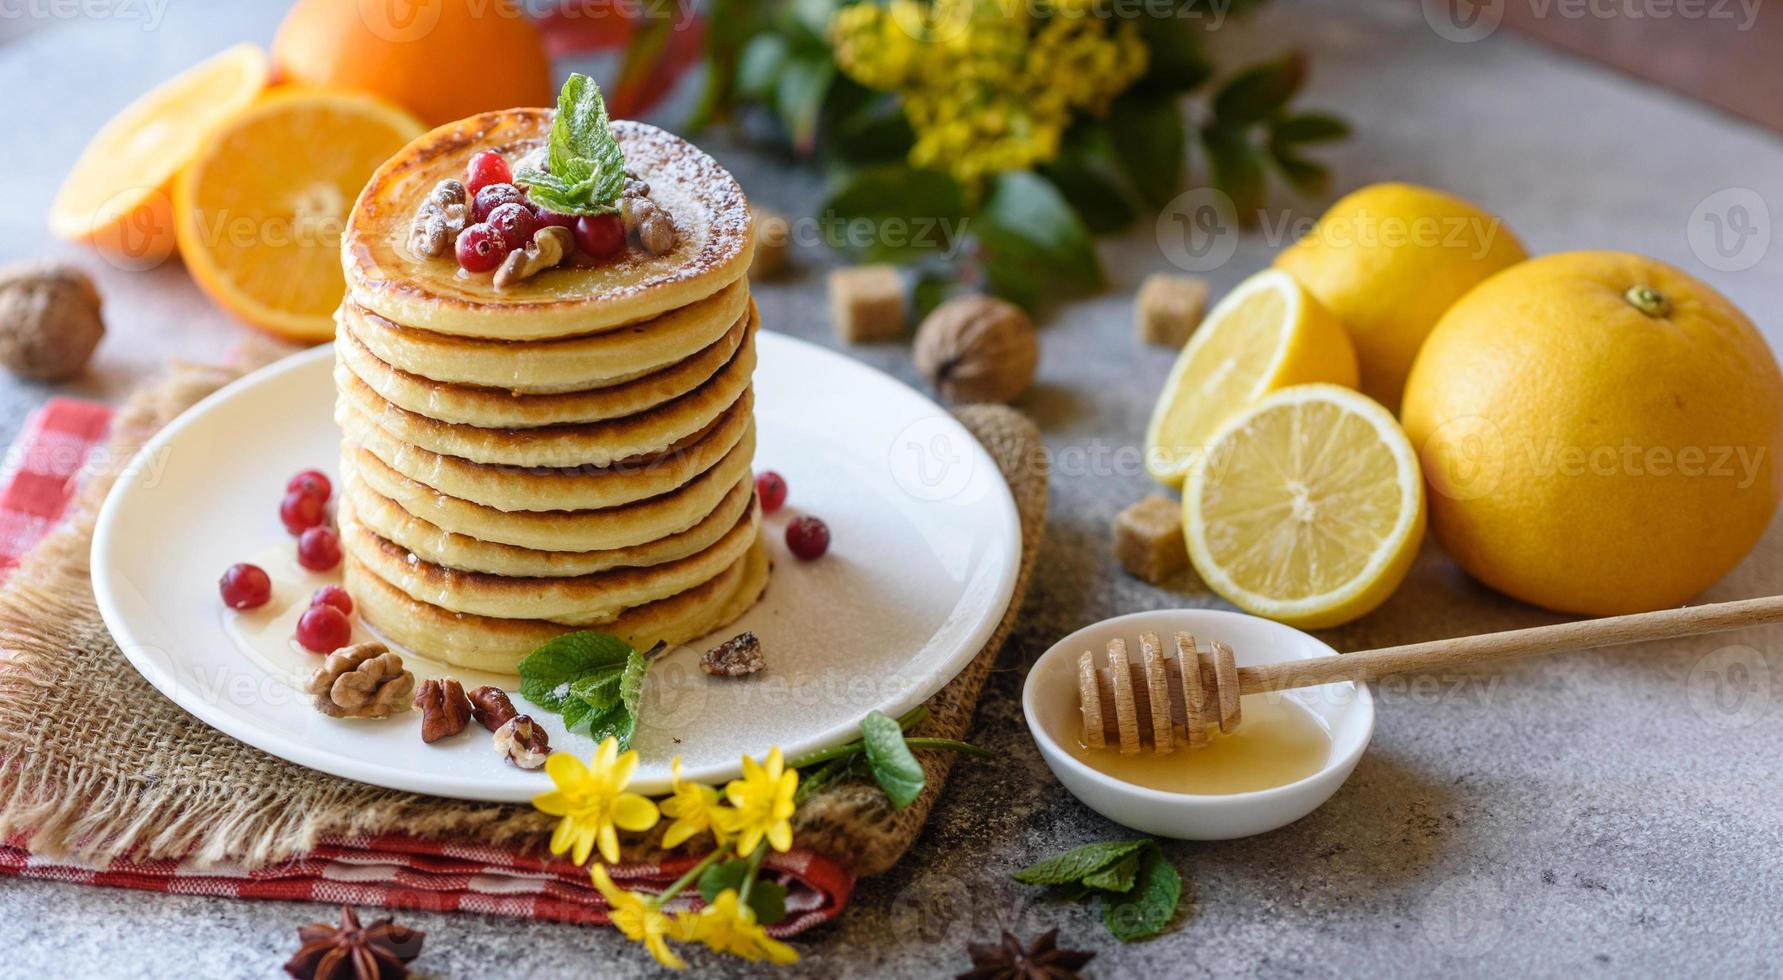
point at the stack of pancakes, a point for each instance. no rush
(571, 452)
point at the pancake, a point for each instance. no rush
(715, 239)
(595, 444)
(515, 488)
(498, 645)
(548, 366)
(502, 408)
(606, 529)
(432, 543)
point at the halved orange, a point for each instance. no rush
(116, 197)
(260, 209)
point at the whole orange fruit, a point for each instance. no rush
(442, 60)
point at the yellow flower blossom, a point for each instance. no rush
(694, 808)
(592, 802)
(640, 920)
(729, 926)
(763, 802)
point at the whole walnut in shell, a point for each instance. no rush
(978, 349)
(49, 320)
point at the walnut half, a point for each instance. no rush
(364, 680)
(521, 741)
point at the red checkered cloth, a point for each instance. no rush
(37, 479)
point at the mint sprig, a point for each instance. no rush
(594, 680)
(1138, 886)
(881, 753)
(586, 170)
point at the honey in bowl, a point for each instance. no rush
(1281, 741)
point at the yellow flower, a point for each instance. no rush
(593, 803)
(729, 926)
(763, 804)
(694, 807)
(640, 921)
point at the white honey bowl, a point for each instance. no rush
(1050, 702)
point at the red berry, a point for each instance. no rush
(333, 595)
(319, 549)
(245, 586)
(515, 224)
(602, 236)
(480, 248)
(771, 488)
(492, 197)
(487, 167)
(546, 219)
(312, 482)
(324, 629)
(808, 538)
(301, 511)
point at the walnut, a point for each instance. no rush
(978, 349)
(49, 320)
(635, 186)
(491, 707)
(444, 709)
(657, 233)
(448, 192)
(364, 680)
(438, 220)
(738, 656)
(521, 741)
(633, 210)
(548, 247)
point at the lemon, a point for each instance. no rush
(1600, 432)
(1388, 260)
(1267, 334)
(1309, 507)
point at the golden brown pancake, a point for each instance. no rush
(714, 244)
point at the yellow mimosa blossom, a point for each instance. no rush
(635, 916)
(592, 802)
(763, 804)
(729, 926)
(694, 808)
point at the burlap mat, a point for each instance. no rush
(98, 765)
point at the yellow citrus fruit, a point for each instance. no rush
(1600, 432)
(1388, 261)
(259, 210)
(1309, 508)
(117, 196)
(1267, 334)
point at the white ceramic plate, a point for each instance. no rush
(926, 544)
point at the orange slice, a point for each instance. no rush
(116, 197)
(259, 210)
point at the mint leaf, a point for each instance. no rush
(895, 770)
(1078, 863)
(1117, 877)
(1149, 906)
(595, 680)
(585, 169)
(767, 898)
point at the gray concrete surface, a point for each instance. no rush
(1594, 815)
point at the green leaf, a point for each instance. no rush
(1149, 906)
(598, 690)
(759, 65)
(1237, 170)
(1117, 877)
(1034, 244)
(798, 97)
(894, 213)
(585, 169)
(1309, 127)
(873, 132)
(767, 898)
(1078, 863)
(895, 770)
(1151, 144)
(1259, 92)
(1307, 176)
(1177, 61)
(1089, 175)
(829, 773)
(548, 672)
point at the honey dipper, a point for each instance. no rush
(1117, 697)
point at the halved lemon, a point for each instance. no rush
(1309, 507)
(1266, 334)
(116, 197)
(261, 207)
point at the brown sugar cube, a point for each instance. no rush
(773, 243)
(1148, 539)
(1169, 308)
(867, 303)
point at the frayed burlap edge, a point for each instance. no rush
(99, 766)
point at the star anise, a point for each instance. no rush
(1009, 960)
(375, 952)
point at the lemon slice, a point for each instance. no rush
(1266, 334)
(1309, 507)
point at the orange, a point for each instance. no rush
(260, 209)
(116, 197)
(443, 60)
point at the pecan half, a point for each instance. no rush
(364, 680)
(444, 709)
(491, 707)
(521, 741)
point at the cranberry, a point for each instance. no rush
(545, 219)
(333, 595)
(324, 629)
(602, 236)
(492, 197)
(313, 482)
(487, 167)
(245, 586)
(319, 549)
(514, 223)
(480, 248)
(301, 511)
(771, 488)
(808, 538)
